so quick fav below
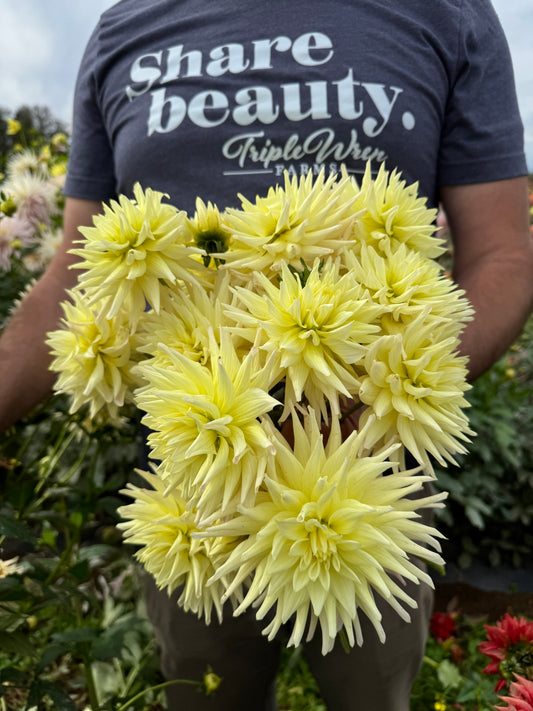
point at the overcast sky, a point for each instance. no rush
(42, 43)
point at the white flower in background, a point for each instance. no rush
(33, 195)
(10, 567)
(27, 161)
(45, 251)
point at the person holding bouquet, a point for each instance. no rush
(193, 99)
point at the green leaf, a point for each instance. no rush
(98, 550)
(110, 644)
(449, 675)
(50, 653)
(80, 570)
(475, 518)
(65, 642)
(76, 519)
(12, 528)
(39, 689)
(49, 537)
(76, 636)
(12, 588)
(16, 643)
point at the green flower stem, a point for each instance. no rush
(77, 464)
(64, 559)
(51, 461)
(91, 686)
(158, 687)
(430, 662)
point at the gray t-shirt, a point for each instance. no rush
(197, 97)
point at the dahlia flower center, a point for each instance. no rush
(214, 424)
(321, 539)
(212, 240)
(311, 333)
(317, 542)
(135, 255)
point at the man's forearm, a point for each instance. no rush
(502, 295)
(26, 378)
(24, 355)
(493, 263)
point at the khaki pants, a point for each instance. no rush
(374, 677)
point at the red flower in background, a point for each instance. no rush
(442, 626)
(509, 646)
(521, 698)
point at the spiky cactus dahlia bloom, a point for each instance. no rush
(510, 647)
(135, 250)
(163, 527)
(404, 283)
(296, 223)
(187, 318)
(317, 327)
(394, 213)
(328, 533)
(94, 357)
(414, 383)
(521, 698)
(206, 422)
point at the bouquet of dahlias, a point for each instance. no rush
(249, 338)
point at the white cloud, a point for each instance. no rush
(516, 18)
(27, 47)
(42, 45)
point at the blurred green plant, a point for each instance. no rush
(489, 511)
(72, 627)
(452, 675)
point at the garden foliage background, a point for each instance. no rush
(73, 630)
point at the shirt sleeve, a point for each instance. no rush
(483, 137)
(90, 173)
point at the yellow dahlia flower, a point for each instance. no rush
(206, 425)
(316, 326)
(93, 355)
(208, 231)
(13, 127)
(393, 213)
(187, 318)
(134, 251)
(163, 527)
(329, 533)
(292, 224)
(405, 283)
(414, 385)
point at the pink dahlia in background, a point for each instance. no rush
(509, 646)
(34, 197)
(521, 698)
(12, 229)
